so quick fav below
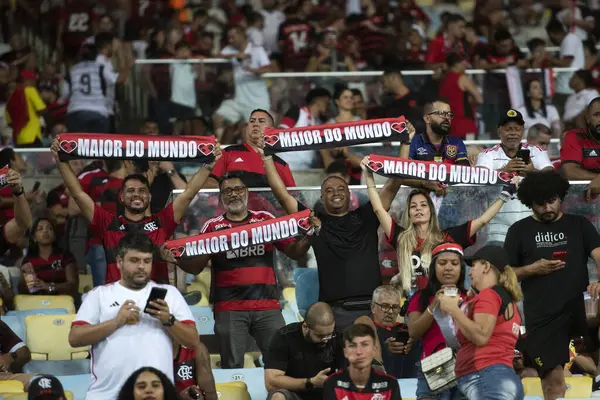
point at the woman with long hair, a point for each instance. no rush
(448, 272)
(488, 328)
(148, 383)
(344, 100)
(48, 269)
(419, 231)
(537, 111)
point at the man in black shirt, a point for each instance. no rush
(347, 248)
(549, 253)
(302, 354)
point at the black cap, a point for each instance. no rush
(511, 116)
(495, 255)
(45, 387)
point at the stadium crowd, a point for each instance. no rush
(465, 323)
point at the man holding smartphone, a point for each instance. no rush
(123, 337)
(549, 252)
(511, 156)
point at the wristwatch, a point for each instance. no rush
(19, 192)
(171, 321)
(171, 172)
(308, 384)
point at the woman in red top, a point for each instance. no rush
(488, 328)
(449, 271)
(463, 96)
(47, 269)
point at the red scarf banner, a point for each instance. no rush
(264, 232)
(3, 176)
(132, 147)
(451, 174)
(335, 135)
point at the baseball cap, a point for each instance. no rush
(511, 116)
(495, 255)
(45, 387)
(447, 247)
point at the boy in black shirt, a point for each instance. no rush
(549, 253)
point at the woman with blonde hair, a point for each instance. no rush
(419, 231)
(488, 325)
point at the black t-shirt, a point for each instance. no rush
(496, 83)
(161, 191)
(529, 240)
(289, 351)
(409, 105)
(347, 253)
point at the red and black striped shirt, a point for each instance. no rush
(53, 269)
(184, 368)
(108, 195)
(295, 44)
(380, 386)
(371, 42)
(244, 279)
(111, 228)
(88, 181)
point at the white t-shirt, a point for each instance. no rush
(113, 76)
(130, 347)
(538, 118)
(577, 102)
(571, 46)
(273, 19)
(183, 87)
(250, 88)
(564, 16)
(495, 158)
(85, 87)
(300, 160)
(255, 36)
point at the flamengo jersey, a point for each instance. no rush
(381, 386)
(111, 228)
(244, 279)
(87, 88)
(130, 347)
(53, 269)
(184, 367)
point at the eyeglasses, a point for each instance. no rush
(443, 114)
(323, 338)
(387, 308)
(237, 190)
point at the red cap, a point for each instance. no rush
(27, 74)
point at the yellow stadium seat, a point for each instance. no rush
(232, 392)
(300, 317)
(47, 338)
(32, 302)
(11, 387)
(215, 361)
(85, 283)
(23, 396)
(289, 295)
(202, 285)
(578, 387)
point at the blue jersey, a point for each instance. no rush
(452, 150)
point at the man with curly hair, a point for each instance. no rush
(549, 252)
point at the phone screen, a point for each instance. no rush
(559, 255)
(36, 186)
(155, 294)
(402, 335)
(524, 155)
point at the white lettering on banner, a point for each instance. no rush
(172, 149)
(100, 148)
(405, 168)
(474, 175)
(332, 135)
(277, 231)
(368, 131)
(105, 148)
(293, 139)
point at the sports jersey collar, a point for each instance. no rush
(426, 139)
(246, 218)
(249, 147)
(507, 156)
(131, 221)
(387, 328)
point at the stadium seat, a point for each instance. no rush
(202, 285)
(307, 290)
(289, 295)
(47, 338)
(215, 361)
(232, 391)
(297, 272)
(289, 316)
(23, 396)
(16, 325)
(38, 311)
(85, 283)
(577, 387)
(11, 387)
(32, 302)
(78, 384)
(204, 318)
(253, 377)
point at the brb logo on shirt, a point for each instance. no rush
(150, 226)
(253, 251)
(550, 239)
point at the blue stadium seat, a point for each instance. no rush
(298, 272)
(38, 311)
(307, 289)
(289, 316)
(78, 384)
(16, 325)
(205, 320)
(58, 367)
(253, 377)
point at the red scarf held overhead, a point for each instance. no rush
(335, 135)
(16, 107)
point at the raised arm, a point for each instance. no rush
(193, 186)
(391, 187)
(15, 229)
(385, 220)
(486, 217)
(84, 201)
(287, 201)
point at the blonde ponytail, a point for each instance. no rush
(508, 280)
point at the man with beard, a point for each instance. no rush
(509, 156)
(135, 197)
(123, 338)
(580, 151)
(549, 253)
(436, 144)
(245, 295)
(301, 356)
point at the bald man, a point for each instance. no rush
(301, 356)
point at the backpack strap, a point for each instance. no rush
(504, 296)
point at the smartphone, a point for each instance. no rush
(524, 154)
(560, 255)
(36, 186)
(402, 335)
(155, 294)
